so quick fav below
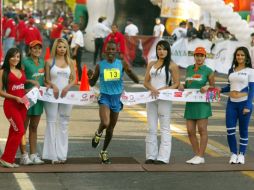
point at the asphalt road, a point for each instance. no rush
(128, 141)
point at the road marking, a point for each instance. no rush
(214, 148)
(22, 179)
(211, 149)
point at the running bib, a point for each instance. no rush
(111, 74)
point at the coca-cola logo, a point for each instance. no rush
(178, 94)
(18, 87)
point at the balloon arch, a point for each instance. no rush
(230, 13)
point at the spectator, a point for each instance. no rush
(31, 33)
(9, 32)
(77, 43)
(131, 29)
(200, 32)
(207, 33)
(191, 31)
(20, 40)
(180, 32)
(118, 38)
(56, 31)
(159, 28)
(100, 31)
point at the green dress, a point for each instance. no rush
(34, 72)
(196, 80)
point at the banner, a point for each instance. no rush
(31, 98)
(141, 49)
(188, 95)
(219, 55)
(174, 9)
(137, 49)
(72, 97)
(127, 98)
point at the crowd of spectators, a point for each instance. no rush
(187, 30)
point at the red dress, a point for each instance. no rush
(16, 114)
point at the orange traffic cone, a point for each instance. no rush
(84, 85)
(47, 54)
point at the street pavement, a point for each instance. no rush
(129, 141)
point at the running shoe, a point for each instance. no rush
(104, 157)
(240, 159)
(233, 159)
(25, 160)
(36, 159)
(96, 139)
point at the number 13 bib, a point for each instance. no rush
(111, 74)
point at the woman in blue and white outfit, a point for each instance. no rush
(159, 76)
(239, 105)
(111, 72)
(59, 73)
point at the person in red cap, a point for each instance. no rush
(31, 33)
(9, 32)
(197, 113)
(34, 70)
(20, 41)
(56, 31)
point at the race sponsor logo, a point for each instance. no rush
(18, 87)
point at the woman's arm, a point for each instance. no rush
(129, 72)
(248, 105)
(225, 89)
(72, 80)
(174, 70)
(48, 80)
(4, 93)
(147, 81)
(211, 83)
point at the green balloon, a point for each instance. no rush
(81, 15)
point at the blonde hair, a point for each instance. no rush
(67, 55)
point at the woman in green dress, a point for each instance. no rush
(197, 113)
(34, 70)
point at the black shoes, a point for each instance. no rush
(157, 162)
(149, 161)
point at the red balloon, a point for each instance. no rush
(235, 3)
(244, 5)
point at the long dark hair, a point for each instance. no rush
(167, 59)
(6, 65)
(247, 58)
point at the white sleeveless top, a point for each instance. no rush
(239, 80)
(60, 76)
(158, 78)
